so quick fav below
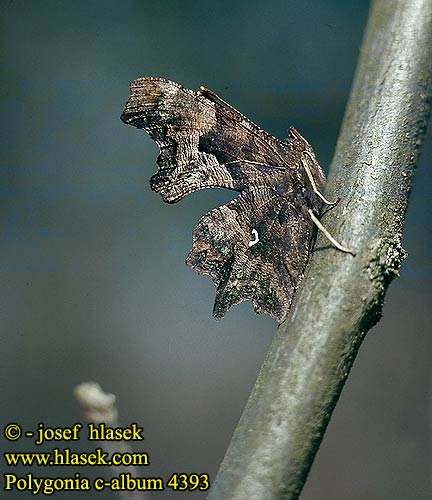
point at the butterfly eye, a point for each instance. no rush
(256, 238)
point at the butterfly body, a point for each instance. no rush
(204, 143)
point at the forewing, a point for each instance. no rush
(202, 142)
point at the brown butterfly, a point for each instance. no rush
(255, 247)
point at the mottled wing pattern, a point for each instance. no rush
(255, 247)
(267, 272)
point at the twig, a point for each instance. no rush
(99, 407)
(341, 297)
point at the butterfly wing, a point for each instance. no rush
(255, 247)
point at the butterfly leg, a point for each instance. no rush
(317, 222)
(312, 181)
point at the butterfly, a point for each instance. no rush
(256, 246)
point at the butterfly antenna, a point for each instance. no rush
(328, 235)
(251, 162)
(204, 91)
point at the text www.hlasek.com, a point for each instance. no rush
(67, 457)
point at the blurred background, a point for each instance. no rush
(92, 273)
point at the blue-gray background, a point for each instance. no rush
(93, 281)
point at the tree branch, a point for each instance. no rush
(341, 296)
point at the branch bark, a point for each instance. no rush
(341, 296)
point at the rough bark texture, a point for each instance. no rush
(341, 296)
